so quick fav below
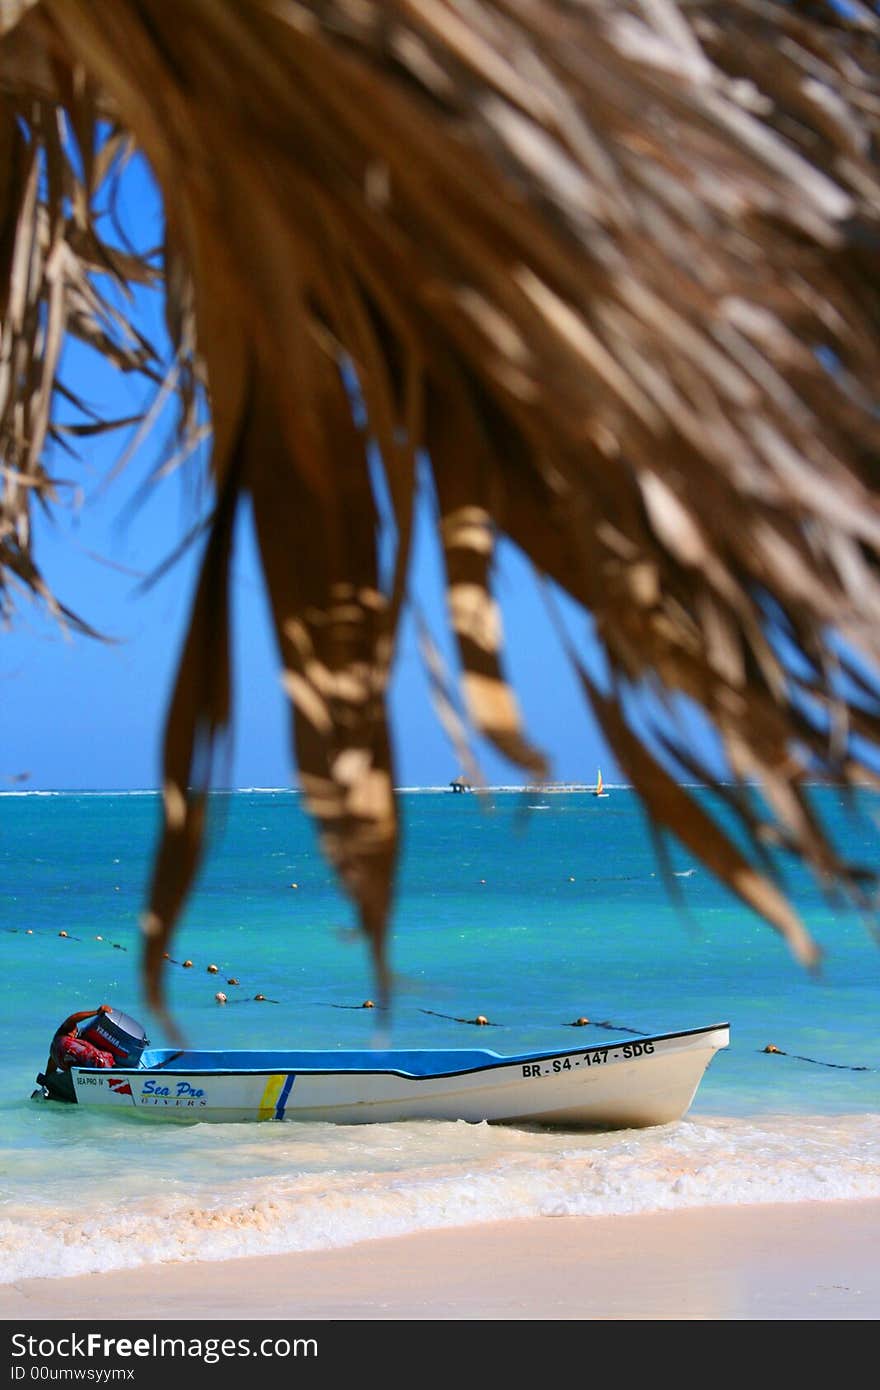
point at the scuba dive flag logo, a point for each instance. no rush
(119, 1085)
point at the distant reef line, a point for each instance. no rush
(444, 788)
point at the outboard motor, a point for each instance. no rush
(116, 1033)
(113, 1032)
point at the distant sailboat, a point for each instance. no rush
(599, 789)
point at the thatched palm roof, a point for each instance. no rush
(611, 266)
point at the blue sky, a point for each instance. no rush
(84, 714)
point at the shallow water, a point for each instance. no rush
(530, 922)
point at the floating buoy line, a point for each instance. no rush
(479, 1021)
(211, 969)
(838, 1066)
(606, 1023)
(29, 931)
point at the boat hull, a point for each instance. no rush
(628, 1083)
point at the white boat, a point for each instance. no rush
(625, 1083)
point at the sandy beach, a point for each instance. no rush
(795, 1261)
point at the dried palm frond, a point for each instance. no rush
(57, 277)
(611, 268)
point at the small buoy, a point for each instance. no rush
(581, 1022)
(368, 1004)
(212, 970)
(62, 933)
(220, 997)
(482, 880)
(99, 938)
(570, 879)
(481, 1018)
(165, 955)
(29, 931)
(187, 964)
(294, 885)
(771, 1048)
(232, 980)
(259, 997)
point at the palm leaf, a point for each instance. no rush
(610, 267)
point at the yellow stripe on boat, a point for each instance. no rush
(274, 1087)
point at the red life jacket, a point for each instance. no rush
(69, 1050)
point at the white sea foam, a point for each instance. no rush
(350, 1187)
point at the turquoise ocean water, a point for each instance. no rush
(530, 909)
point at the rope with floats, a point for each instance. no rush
(29, 931)
(606, 1023)
(222, 998)
(838, 1066)
(212, 969)
(482, 1021)
(479, 1021)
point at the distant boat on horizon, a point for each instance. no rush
(460, 784)
(599, 789)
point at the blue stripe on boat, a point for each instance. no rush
(285, 1092)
